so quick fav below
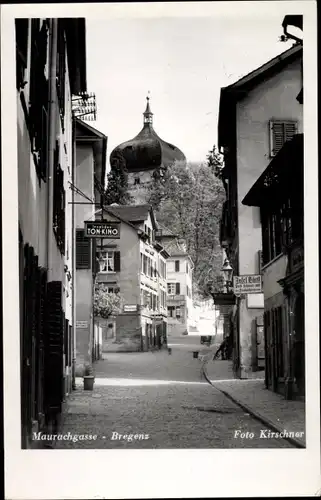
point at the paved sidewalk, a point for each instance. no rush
(271, 408)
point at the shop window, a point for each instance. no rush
(171, 311)
(178, 312)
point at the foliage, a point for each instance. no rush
(88, 370)
(106, 304)
(215, 162)
(188, 199)
(117, 182)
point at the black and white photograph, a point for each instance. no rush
(160, 282)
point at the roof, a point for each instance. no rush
(87, 134)
(164, 232)
(236, 91)
(133, 213)
(147, 150)
(283, 174)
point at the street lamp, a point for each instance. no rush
(227, 271)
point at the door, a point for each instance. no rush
(299, 344)
(260, 350)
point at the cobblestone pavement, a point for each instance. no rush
(163, 397)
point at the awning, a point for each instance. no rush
(224, 299)
(283, 175)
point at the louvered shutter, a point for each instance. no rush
(178, 288)
(82, 250)
(280, 132)
(54, 348)
(117, 261)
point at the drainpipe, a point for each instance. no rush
(73, 252)
(52, 143)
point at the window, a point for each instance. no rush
(176, 266)
(137, 180)
(109, 261)
(83, 250)
(113, 289)
(178, 288)
(272, 234)
(61, 69)
(22, 28)
(171, 288)
(171, 311)
(58, 202)
(187, 269)
(38, 96)
(280, 132)
(178, 312)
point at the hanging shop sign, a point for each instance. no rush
(81, 324)
(102, 229)
(248, 283)
(130, 307)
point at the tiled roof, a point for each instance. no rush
(132, 213)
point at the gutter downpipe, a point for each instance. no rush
(50, 173)
(51, 146)
(73, 230)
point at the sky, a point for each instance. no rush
(183, 63)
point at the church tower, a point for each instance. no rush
(146, 155)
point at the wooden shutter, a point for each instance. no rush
(117, 261)
(177, 266)
(82, 250)
(280, 132)
(178, 288)
(54, 348)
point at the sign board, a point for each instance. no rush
(81, 324)
(102, 229)
(255, 301)
(248, 283)
(130, 307)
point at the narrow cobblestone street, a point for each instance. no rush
(162, 396)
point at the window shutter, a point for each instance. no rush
(82, 250)
(280, 132)
(54, 347)
(177, 266)
(117, 261)
(178, 288)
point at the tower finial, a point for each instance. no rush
(148, 115)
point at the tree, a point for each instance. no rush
(117, 182)
(106, 303)
(188, 200)
(215, 162)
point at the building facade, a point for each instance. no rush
(88, 185)
(257, 115)
(179, 282)
(279, 192)
(50, 67)
(134, 265)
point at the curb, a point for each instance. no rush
(298, 443)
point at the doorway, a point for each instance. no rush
(299, 345)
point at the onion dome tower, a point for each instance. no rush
(144, 155)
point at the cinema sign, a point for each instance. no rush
(102, 229)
